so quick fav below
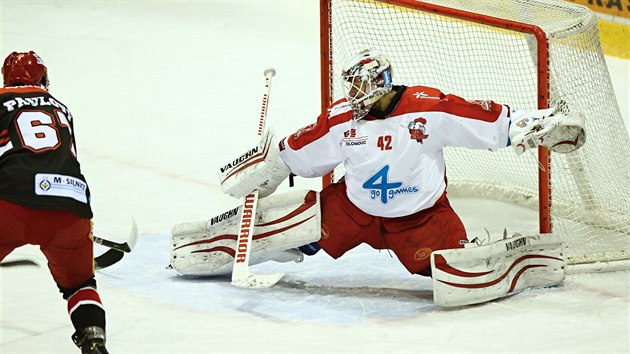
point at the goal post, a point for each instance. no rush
(524, 53)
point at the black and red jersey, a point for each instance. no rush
(38, 161)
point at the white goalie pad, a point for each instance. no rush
(283, 222)
(478, 274)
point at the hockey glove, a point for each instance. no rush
(556, 128)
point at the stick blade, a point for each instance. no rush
(256, 281)
(113, 255)
(133, 238)
(107, 259)
(19, 262)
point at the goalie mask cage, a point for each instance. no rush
(524, 53)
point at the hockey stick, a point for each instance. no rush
(241, 275)
(108, 258)
(19, 262)
(122, 247)
(117, 250)
(111, 256)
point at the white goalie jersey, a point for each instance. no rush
(395, 165)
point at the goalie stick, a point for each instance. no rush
(241, 275)
(117, 250)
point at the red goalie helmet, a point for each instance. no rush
(22, 69)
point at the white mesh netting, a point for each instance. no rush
(591, 187)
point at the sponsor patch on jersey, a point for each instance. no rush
(417, 129)
(55, 185)
(383, 189)
(350, 138)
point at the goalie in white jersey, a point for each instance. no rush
(391, 139)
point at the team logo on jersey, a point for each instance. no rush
(417, 129)
(350, 138)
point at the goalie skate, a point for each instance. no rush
(283, 222)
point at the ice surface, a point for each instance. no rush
(164, 92)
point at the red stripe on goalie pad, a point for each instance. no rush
(477, 274)
(442, 264)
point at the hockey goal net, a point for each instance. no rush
(518, 52)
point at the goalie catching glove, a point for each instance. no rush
(259, 169)
(556, 128)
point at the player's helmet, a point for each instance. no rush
(26, 68)
(366, 77)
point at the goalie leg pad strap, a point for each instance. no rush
(479, 274)
(283, 222)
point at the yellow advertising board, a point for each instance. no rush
(613, 23)
(616, 8)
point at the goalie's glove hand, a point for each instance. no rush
(261, 168)
(556, 128)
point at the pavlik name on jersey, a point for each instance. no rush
(38, 101)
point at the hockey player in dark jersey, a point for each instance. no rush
(44, 198)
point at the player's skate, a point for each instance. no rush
(90, 340)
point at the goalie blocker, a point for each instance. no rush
(477, 274)
(283, 222)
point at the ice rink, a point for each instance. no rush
(163, 93)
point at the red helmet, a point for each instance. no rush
(21, 69)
